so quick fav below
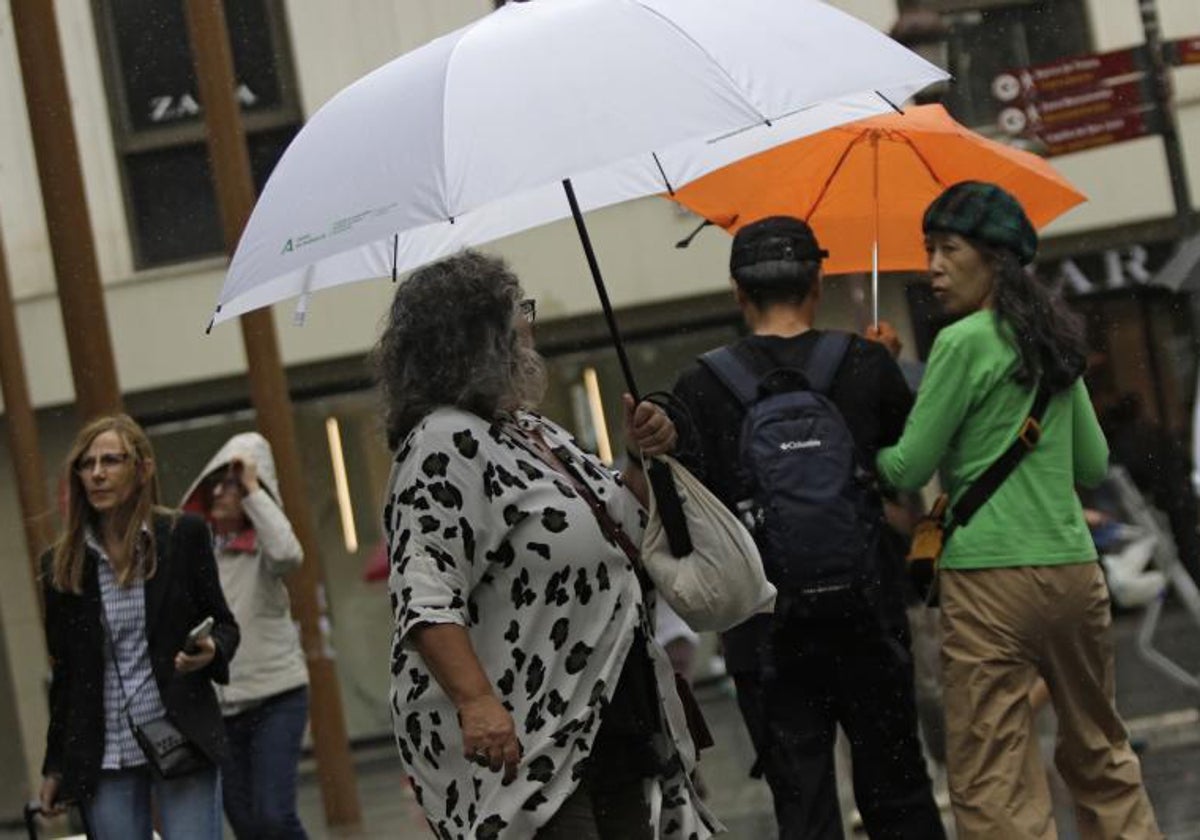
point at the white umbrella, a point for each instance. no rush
(475, 135)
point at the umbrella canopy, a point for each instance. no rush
(867, 184)
(472, 136)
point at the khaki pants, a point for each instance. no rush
(1002, 629)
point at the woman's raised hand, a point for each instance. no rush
(648, 429)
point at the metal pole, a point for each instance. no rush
(22, 435)
(80, 296)
(1166, 113)
(875, 222)
(235, 197)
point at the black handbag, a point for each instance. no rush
(168, 750)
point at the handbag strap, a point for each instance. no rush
(983, 487)
(533, 443)
(112, 651)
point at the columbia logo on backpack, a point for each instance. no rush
(814, 514)
(793, 445)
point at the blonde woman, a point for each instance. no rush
(125, 583)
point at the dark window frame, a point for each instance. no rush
(130, 141)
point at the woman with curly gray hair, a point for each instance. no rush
(528, 699)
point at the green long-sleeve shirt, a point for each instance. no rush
(968, 410)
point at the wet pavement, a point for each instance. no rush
(1161, 714)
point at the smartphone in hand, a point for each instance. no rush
(201, 631)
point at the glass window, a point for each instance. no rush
(158, 123)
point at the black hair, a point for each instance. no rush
(778, 281)
(1048, 336)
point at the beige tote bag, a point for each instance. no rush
(721, 583)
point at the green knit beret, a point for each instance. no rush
(984, 212)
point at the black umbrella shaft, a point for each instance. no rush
(613, 329)
(666, 494)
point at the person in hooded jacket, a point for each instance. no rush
(265, 704)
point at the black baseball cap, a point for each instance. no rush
(774, 240)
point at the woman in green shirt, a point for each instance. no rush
(1022, 595)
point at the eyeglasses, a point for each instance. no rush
(528, 308)
(107, 461)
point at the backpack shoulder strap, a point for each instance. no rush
(734, 374)
(823, 362)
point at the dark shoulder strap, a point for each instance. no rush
(733, 373)
(825, 359)
(535, 445)
(983, 487)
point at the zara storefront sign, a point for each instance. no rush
(1112, 268)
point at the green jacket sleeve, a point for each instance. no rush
(1090, 447)
(942, 403)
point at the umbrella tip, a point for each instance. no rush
(895, 107)
(687, 240)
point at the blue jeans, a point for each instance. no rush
(188, 808)
(259, 776)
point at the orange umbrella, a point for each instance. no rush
(864, 186)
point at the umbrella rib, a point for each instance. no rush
(683, 33)
(895, 107)
(662, 172)
(833, 174)
(924, 161)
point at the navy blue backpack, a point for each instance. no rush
(804, 496)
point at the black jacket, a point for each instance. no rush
(184, 590)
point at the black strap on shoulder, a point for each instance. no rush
(983, 487)
(734, 374)
(820, 368)
(824, 360)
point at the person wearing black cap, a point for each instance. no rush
(1022, 595)
(799, 678)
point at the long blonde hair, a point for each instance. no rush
(66, 572)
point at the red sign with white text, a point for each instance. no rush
(1089, 104)
(1183, 51)
(1067, 74)
(1101, 132)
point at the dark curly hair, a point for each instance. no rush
(449, 340)
(1049, 338)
